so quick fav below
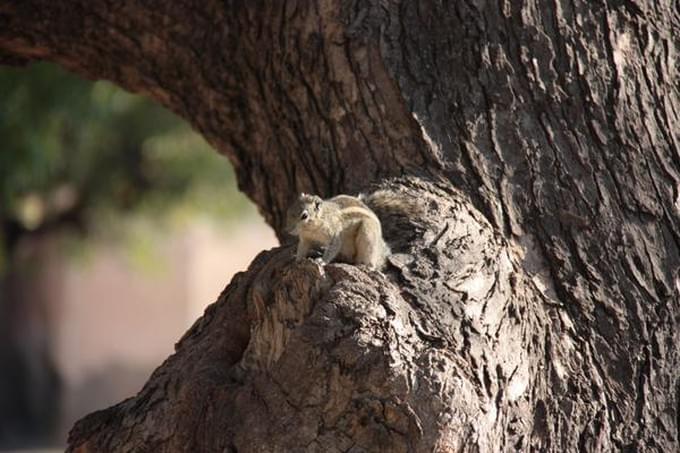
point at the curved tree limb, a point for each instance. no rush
(265, 85)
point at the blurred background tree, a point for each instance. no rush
(71, 149)
(80, 157)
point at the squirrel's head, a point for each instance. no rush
(302, 212)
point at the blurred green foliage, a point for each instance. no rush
(82, 152)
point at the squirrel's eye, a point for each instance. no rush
(304, 215)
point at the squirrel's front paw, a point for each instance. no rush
(318, 260)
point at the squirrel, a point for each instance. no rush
(344, 225)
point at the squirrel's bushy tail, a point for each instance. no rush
(391, 202)
(398, 213)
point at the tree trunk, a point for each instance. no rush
(30, 387)
(534, 302)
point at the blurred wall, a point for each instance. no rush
(113, 324)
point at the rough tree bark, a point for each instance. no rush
(533, 305)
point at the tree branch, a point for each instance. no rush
(253, 98)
